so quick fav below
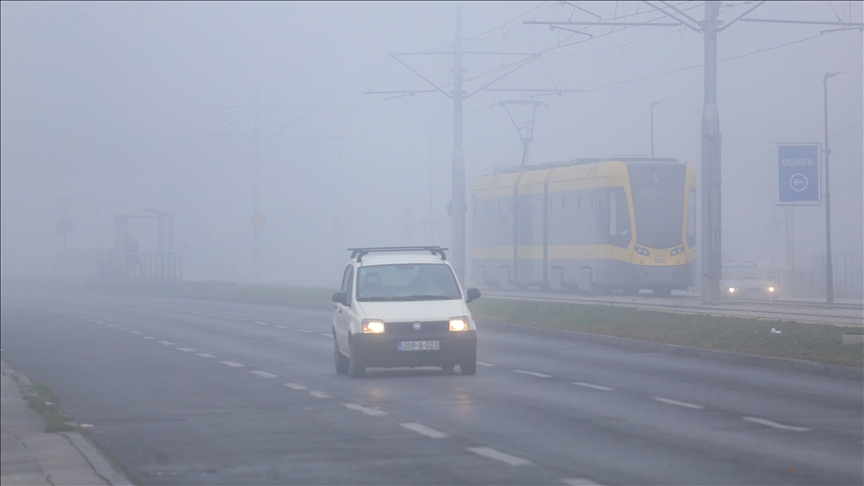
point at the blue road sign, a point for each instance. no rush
(798, 167)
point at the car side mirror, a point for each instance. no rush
(340, 298)
(472, 294)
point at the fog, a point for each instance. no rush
(121, 106)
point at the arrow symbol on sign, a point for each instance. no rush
(798, 182)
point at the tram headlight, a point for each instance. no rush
(642, 251)
(677, 251)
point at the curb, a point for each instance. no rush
(102, 467)
(727, 356)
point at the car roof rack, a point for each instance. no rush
(359, 253)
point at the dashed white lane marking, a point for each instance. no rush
(211, 315)
(166, 343)
(225, 317)
(775, 424)
(233, 364)
(579, 482)
(484, 364)
(122, 328)
(423, 430)
(282, 327)
(149, 337)
(595, 387)
(676, 402)
(304, 330)
(240, 319)
(326, 334)
(111, 325)
(295, 386)
(99, 322)
(368, 411)
(262, 323)
(185, 349)
(532, 373)
(319, 394)
(499, 456)
(206, 355)
(136, 333)
(264, 374)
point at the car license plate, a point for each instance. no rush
(418, 345)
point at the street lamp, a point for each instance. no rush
(829, 266)
(653, 104)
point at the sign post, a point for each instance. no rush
(798, 171)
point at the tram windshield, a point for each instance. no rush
(658, 203)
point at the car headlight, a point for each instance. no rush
(459, 324)
(372, 326)
(731, 290)
(771, 289)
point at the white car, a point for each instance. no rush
(746, 280)
(402, 306)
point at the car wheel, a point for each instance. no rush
(342, 363)
(448, 367)
(469, 365)
(356, 368)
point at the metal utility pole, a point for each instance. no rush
(653, 104)
(829, 265)
(431, 221)
(711, 218)
(458, 206)
(257, 217)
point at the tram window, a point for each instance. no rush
(691, 219)
(619, 218)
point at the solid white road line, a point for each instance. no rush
(206, 355)
(295, 386)
(423, 430)
(185, 349)
(775, 424)
(499, 456)
(484, 364)
(676, 402)
(262, 323)
(579, 482)
(166, 343)
(368, 411)
(264, 374)
(233, 364)
(540, 375)
(319, 394)
(595, 387)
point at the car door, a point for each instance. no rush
(340, 317)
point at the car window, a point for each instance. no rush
(406, 282)
(350, 287)
(743, 271)
(345, 278)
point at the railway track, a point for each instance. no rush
(841, 314)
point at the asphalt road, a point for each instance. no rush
(206, 392)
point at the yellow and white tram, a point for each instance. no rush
(590, 224)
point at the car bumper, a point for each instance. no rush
(382, 350)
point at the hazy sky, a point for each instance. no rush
(126, 105)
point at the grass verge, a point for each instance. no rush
(809, 342)
(43, 400)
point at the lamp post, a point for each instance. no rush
(829, 266)
(653, 104)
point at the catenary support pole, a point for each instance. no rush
(829, 265)
(458, 207)
(711, 217)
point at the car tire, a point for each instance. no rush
(356, 368)
(342, 363)
(469, 365)
(448, 367)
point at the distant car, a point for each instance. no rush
(402, 306)
(746, 280)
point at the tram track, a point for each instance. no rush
(842, 314)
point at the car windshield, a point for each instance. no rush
(743, 271)
(407, 282)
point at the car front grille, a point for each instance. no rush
(425, 327)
